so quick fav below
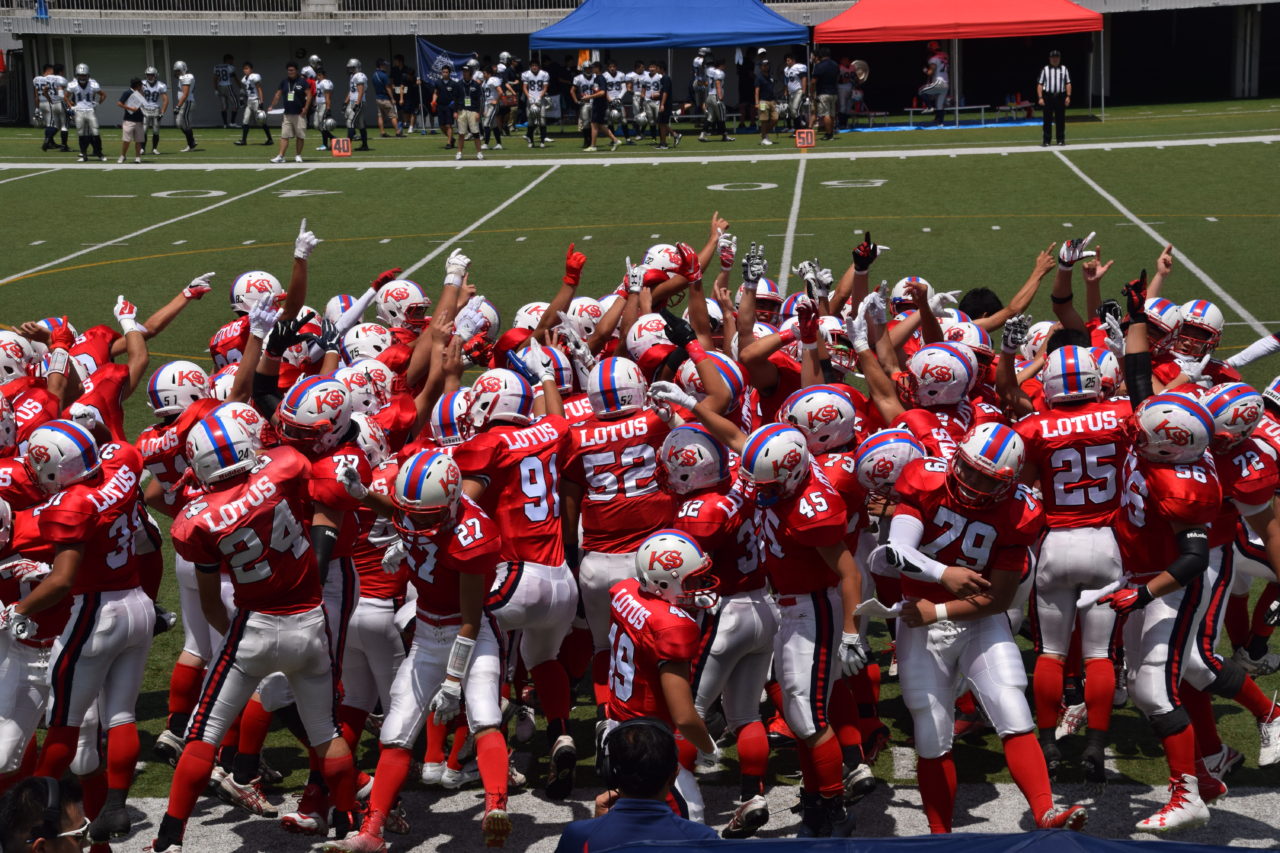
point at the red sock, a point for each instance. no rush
(551, 680)
(808, 776)
(1199, 707)
(389, 778)
(1180, 750)
(122, 755)
(600, 677)
(1253, 700)
(434, 753)
(351, 721)
(843, 715)
(184, 688)
(937, 777)
(459, 738)
(686, 754)
(966, 704)
(827, 763)
(255, 723)
(1260, 628)
(58, 751)
(753, 749)
(1027, 767)
(190, 778)
(1099, 691)
(94, 788)
(773, 690)
(1236, 621)
(150, 571)
(1047, 686)
(575, 653)
(491, 757)
(340, 776)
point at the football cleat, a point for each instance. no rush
(361, 842)
(455, 779)
(248, 797)
(1068, 817)
(780, 734)
(1211, 789)
(525, 724)
(109, 824)
(1184, 810)
(1094, 761)
(365, 788)
(169, 747)
(858, 782)
(875, 744)
(1072, 720)
(563, 763)
(1222, 762)
(268, 774)
(397, 821)
(432, 773)
(309, 817)
(747, 818)
(1269, 741)
(496, 825)
(1052, 757)
(1265, 665)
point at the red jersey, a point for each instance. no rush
(1217, 372)
(1267, 436)
(471, 547)
(715, 519)
(21, 572)
(1156, 497)
(93, 347)
(789, 382)
(1249, 478)
(841, 471)
(577, 408)
(397, 357)
(992, 538)
(32, 403)
(228, 343)
(1079, 450)
(521, 469)
(101, 518)
(374, 582)
(104, 393)
(644, 633)
(615, 461)
(397, 418)
(325, 489)
(254, 527)
(790, 532)
(929, 431)
(163, 447)
(17, 487)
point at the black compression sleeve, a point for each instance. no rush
(266, 393)
(323, 539)
(1193, 555)
(1137, 376)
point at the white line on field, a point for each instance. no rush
(141, 231)
(30, 175)
(1208, 282)
(474, 225)
(36, 242)
(788, 242)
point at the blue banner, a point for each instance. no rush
(431, 59)
(42, 10)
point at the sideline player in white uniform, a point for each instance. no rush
(534, 82)
(83, 96)
(156, 93)
(322, 110)
(251, 88)
(357, 87)
(615, 87)
(796, 75)
(224, 85)
(184, 103)
(52, 114)
(714, 122)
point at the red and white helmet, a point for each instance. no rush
(692, 460)
(1071, 374)
(648, 331)
(1164, 322)
(1172, 428)
(1272, 392)
(530, 315)
(687, 378)
(249, 418)
(1201, 329)
(1036, 336)
(662, 256)
(715, 314)
(1108, 368)
(364, 341)
(776, 460)
(254, 287)
(492, 318)
(606, 302)
(673, 567)
(901, 299)
(368, 382)
(500, 396)
(587, 312)
(175, 386)
(986, 465)
(768, 300)
(427, 493)
(220, 383)
(1236, 409)
(219, 448)
(563, 368)
(339, 305)
(8, 428)
(944, 374)
(974, 337)
(824, 414)
(402, 304)
(448, 418)
(881, 457)
(616, 387)
(16, 355)
(371, 438)
(315, 413)
(6, 522)
(61, 453)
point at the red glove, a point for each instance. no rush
(61, 337)
(478, 349)
(1135, 294)
(573, 264)
(807, 314)
(1127, 600)
(385, 277)
(690, 267)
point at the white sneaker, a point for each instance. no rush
(542, 145)
(185, 150)
(169, 747)
(137, 159)
(484, 146)
(121, 160)
(1184, 810)
(297, 158)
(702, 137)
(458, 156)
(747, 818)
(766, 141)
(432, 773)
(322, 147)
(1121, 696)
(1222, 762)
(1269, 741)
(80, 159)
(1265, 665)
(531, 144)
(155, 153)
(277, 159)
(590, 148)
(455, 779)
(613, 146)
(248, 797)
(1073, 720)
(497, 147)
(479, 156)
(858, 782)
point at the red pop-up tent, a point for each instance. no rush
(910, 20)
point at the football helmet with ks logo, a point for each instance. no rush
(825, 416)
(60, 454)
(1236, 409)
(254, 287)
(986, 466)
(674, 568)
(401, 303)
(776, 460)
(616, 387)
(500, 396)
(944, 374)
(175, 386)
(219, 448)
(315, 413)
(1172, 428)
(692, 460)
(426, 495)
(881, 457)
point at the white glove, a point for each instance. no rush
(635, 277)
(1073, 250)
(199, 286)
(707, 602)
(469, 321)
(856, 327)
(754, 265)
(305, 242)
(727, 249)
(393, 557)
(455, 267)
(853, 657)
(349, 477)
(19, 627)
(126, 315)
(447, 701)
(86, 416)
(1195, 370)
(578, 349)
(570, 325)
(872, 308)
(539, 362)
(262, 319)
(943, 300)
(707, 762)
(1015, 333)
(1115, 335)
(666, 394)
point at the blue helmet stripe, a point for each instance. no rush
(81, 438)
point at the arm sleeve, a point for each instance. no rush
(1260, 348)
(1137, 376)
(352, 314)
(905, 533)
(1193, 555)
(266, 393)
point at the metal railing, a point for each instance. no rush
(468, 6)
(192, 7)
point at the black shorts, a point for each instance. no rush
(598, 110)
(444, 115)
(664, 116)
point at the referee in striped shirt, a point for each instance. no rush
(1053, 91)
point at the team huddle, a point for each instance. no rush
(694, 510)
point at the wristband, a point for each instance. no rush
(808, 346)
(940, 612)
(453, 280)
(58, 359)
(460, 657)
(1144, 596)
(1061, 300)
(695, 351)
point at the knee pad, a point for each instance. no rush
(1167, 725)
(1230, 680)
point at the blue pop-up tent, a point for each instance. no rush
(668, 23)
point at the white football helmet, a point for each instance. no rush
(1272, 392)
(768, 301)
(371, 438)
(824, 414)
(881, 457)
(315, 413)
(974, 337)
(692, 460)
(588, 313)
(500, 396)
(649, 330)
(8, 426)
(249, 419)
(1071, 374)
(492, 317)
(900, 299)
(220, 383)
(943, 374)
(1036, 336)
(219, 448)
(671, 566)
(714, 313)
(1201, 329)
(427, 493)
(339, 305)
(448, 418)
(82, 69)
(1172, 428)
(1236, 409)
(353, 65)
(775, 459)
(563, 368)
(986, 465)
(402, 304)
(364, 341)
(530, 315)
(1164, 323)
(368, 381)
(61, 453)
(179, 67)
(1108, 369)
(687, 378)
(175, 386)
(254, 287)
(662, 256)
(16, 355)
(616, 387)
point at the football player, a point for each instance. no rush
(156, 93)
(322, 111)
(251, 90)
(224, 85)
(357, 84)
(184, 103)
(534, 82)
(82, 97)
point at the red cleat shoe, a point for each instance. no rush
(780, 734)
(1069, 817)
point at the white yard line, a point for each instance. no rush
(30, 175)
(141, 231)
(1208, 282)
(482, 220)
(788, 242)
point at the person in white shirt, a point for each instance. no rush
(713, 122)
(357, 85)
(634, 102)
(155, 96)
(701, 84)
(796, 76)
(44, 88)
(83, 96)
(322, 110)
(495, 87)
(615, 89)
(224, 86)
(534, 83)
(590, 92)
(184, 103)
(251, 88)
